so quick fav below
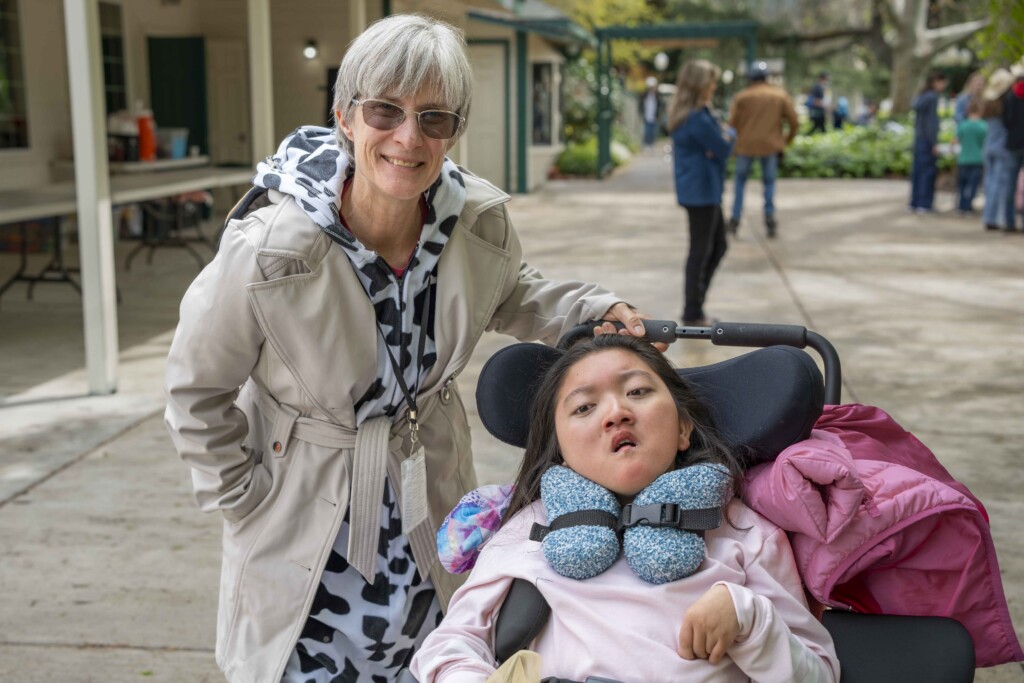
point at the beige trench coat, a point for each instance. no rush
(276, 341)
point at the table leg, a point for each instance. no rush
(19, 275)
(55, 267)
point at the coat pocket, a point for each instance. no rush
(291, 535)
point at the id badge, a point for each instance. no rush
(414, 490)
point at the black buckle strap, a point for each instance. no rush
(578, 518)
(670, 515)
(657, 515)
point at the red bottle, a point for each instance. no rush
(147, 135)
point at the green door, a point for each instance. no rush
(177, 86)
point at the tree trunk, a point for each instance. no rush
(908, 19)
(907, 75)
(914, 45)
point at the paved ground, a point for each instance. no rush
(109, 572)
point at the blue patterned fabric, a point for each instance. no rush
(660, 555)
(578, 552)
(656, 555)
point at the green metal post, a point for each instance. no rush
(604, 106)
(385, 8)
(522, 184)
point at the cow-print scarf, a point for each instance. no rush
(311, 167)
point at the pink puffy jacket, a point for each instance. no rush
(879, 526)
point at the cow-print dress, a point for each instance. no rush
(360, 631)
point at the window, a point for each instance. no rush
(542, 103)
(112, 47)
(13, 117)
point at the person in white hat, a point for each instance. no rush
(996, 159)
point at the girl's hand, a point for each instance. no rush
(710, 626)
(630, 317)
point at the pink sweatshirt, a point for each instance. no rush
(617, 626)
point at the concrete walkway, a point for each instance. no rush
(109, 572)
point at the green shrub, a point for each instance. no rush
(581, 158)
(621, 135)
(856, 152)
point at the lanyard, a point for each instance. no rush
(410, 399)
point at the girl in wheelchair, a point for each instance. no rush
(701, 589)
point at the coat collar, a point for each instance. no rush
(320, 323)
(295, 235)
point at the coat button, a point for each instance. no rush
(277, 446)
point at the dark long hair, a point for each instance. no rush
(543, 451)
(933, 78)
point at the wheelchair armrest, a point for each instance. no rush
(881, 648)
(521, 617)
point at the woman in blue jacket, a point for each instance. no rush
(700, 148)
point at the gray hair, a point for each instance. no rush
(399, 56)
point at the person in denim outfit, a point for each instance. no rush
(926, 140)
(997, 159)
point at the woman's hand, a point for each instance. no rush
(631, 318)
(710, 626)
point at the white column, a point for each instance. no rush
(92, 187)
(261, 80)
(357, 18)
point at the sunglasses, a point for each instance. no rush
(434, 123)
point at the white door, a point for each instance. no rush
(228, 98)
(486, 135)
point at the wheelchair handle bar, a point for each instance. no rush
(735, 334)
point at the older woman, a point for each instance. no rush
(311, 381)
(700, 150)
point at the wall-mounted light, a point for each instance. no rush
(310, 51)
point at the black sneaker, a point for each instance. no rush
(733, 226)
(770, 224)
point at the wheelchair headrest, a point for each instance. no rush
(761, 402)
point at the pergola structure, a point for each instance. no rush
(745, 30)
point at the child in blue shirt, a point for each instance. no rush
(971, 133)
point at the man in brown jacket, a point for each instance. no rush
(757, 114)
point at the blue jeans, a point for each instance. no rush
(769, 169)
(1015, 162)
(997, 186)
(650, 132)
(922, 176)
(967, 178)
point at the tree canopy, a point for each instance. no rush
(876, 46)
